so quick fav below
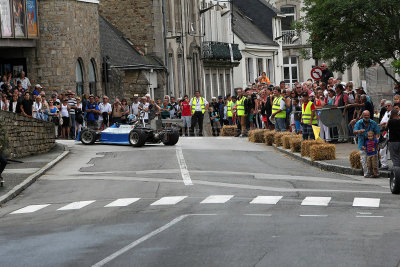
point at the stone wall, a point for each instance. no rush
(69, 30)
(23, 136)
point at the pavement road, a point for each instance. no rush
(205, 202)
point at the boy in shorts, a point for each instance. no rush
(371, 147)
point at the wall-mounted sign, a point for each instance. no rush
(31, 18)
(5, 19)
(19, 18)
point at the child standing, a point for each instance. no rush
(371, 146)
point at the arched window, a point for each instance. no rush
(79, 77)
(92, 76)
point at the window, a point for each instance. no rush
(259, 66)
(168, 15)
(228, 82)
(214, 85)
(92, 77)
(171, 82)
(178, 16)
(270, 70)
(208, 85)
(79, 77)
(221, 84)
(180, 75)
(290, 70)
(195, 72)
(290, 12)
(250, 71)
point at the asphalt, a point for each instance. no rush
(235, 232)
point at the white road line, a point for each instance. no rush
(168, 200)
(140, 240)
(21, 171)
(224, 138)
(122, 202)
(366, 202)
(311, 215)
(77, 205)
(366, 216)
(30, 209)
(182, 165)
(316, 201)
(260, 215)
(271, 200)
(216, 199)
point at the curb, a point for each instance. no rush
(327, 166)
(32, 178)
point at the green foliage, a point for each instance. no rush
(396, 65)
(349, 31)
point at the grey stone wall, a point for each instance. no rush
(69, 30)
(23, 136)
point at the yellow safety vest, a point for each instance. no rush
(307, 114)
(203, 107)
(277, 106)
(229, 109)
(240, 106)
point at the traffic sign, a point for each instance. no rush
(316, 73)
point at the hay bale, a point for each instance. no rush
(229, 130)
(323, 152)
(306, 146)
(295, 144)
(269, 137)
(256, 136)
(259, 136)
(355, 160)
(278, 138)
(286, 141)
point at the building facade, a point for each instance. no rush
(260, 52)
(56, 43)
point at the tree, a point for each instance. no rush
(349, 31)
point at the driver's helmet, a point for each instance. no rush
(131, 118)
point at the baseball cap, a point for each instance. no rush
(38, 86)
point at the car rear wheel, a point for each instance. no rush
(88, 137)
(171, 137)
(137, 138)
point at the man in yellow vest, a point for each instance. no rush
(241, 103)
(279, 110)
(229, 111)
(308, 117)
(199, 106)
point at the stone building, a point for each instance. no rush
(177, 45)
(56, 42)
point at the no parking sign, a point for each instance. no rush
(316, 73)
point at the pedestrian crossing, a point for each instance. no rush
(212, 199)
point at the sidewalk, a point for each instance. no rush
(18, 176)
(340, 165)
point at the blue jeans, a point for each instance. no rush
(280, 124)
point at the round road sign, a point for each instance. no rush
(316, 73)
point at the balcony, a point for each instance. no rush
(218, 53)
(288, 36)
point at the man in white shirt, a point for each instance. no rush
(26, 84)
(384, 122)
(135, 105)
(105, 112)
(174, 108)
(144, 106)
(199, 106)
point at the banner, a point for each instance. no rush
(316, 131)
(5, 17)
(19, 18)
(31, 18)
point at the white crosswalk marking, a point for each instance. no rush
(316, 201)
(168, 200)
(30, 209)
(217, 199)
(77, 205)
(122, 202)
(366, 202)
(271, 200)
